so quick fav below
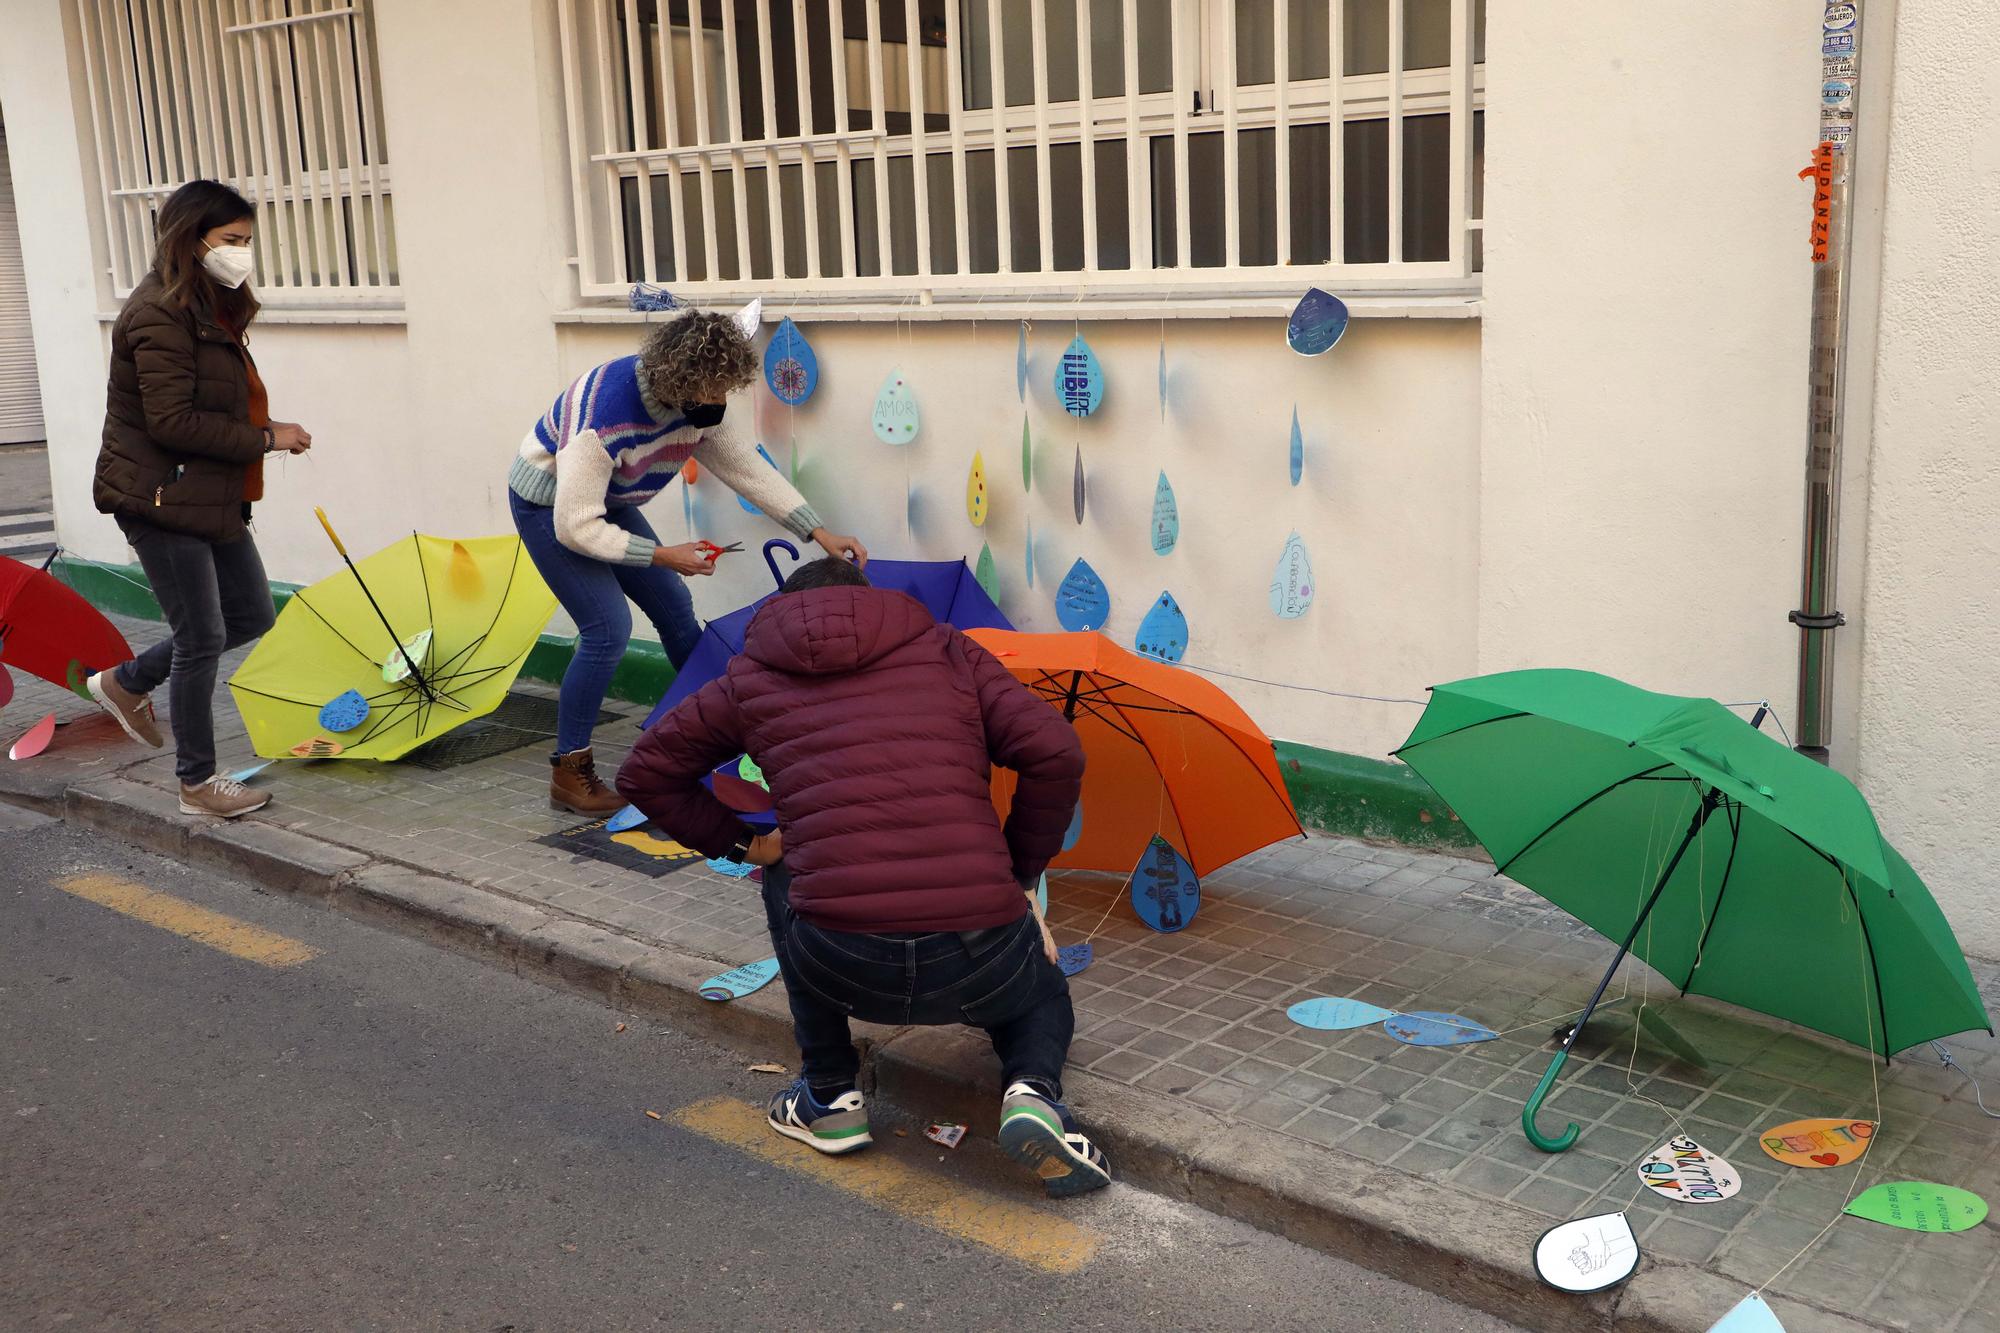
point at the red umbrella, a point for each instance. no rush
(45, 628)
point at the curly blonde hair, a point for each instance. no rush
(698, 358)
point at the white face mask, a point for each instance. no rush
(229, 265)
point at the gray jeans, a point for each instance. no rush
(215, 598)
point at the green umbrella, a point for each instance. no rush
(1735, 867)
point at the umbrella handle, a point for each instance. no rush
(1562, 1141)
(770, 561)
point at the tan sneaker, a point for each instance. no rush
(223, 797)
(133, 711)
(575, 786)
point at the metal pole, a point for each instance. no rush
(1817, 616)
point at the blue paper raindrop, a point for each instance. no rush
(1428, 1028)
(1336, 1014)
(764, 454)
(1166, 517)
(628, 818)
(1028, 552)
(1163, 634)
(344, 712)
(1021, 362)
(1075, 829)
(1163, 375)
(1298, 451)
(1165, 892)
(1317, 322)
(1292, 581)
(1079, 379)
(790, 366)
(1073, 958)
(1076, 484)
(1082, 602)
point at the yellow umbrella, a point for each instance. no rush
(416, 639)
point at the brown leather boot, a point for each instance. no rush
(574, 786)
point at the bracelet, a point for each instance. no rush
(270, 441)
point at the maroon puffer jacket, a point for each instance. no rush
(877, 729)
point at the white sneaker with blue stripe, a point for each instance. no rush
(1039, 1133)
(841, 1127)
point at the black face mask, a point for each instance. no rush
(703, 415)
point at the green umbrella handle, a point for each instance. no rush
(1562, 1141)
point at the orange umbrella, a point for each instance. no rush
(1166, 753)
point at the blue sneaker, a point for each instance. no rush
(1041, 1135)
(839, 1128)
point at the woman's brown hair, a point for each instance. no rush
(697, 358)
(191, 213)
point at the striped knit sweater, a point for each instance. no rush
(606, 444)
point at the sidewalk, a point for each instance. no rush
(1410, 1159)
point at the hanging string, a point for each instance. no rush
(1944, 1058)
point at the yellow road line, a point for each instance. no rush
(226, 933)
(1015, 1229)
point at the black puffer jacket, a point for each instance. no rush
(177, 432)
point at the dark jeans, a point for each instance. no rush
(1001, 983)
(215, 598)
(594, 593)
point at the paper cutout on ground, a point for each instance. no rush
(1428, 1027)
(1163, 634)
(1166, 517)
(732, 869)
(1660, 1030)
(1919, 1205)
(1042, 895)
(414, 652)
(895, 411)
(946, 1134)
(319, 747)
(1076, 485)
(1021, 362)
(1317, 323)
(6, 686)
(975, 492)
(1028, 552)
(738, 982)
(1027, 455)
(1165, 892)
(1749, 1315)
(1075, 829)
(462, 574)
(984, 572)
(35, 740)
(1331, 1013)
(344, 711)
(743, 797)
(1817, 1143)
(1292, 583)
(628, 818)
(1588, 1254)
(1682, 1169)
(1079, 379)
(245, 774)
(1082, 601)
(78, 679)
(790, 366)
(746, 768)
(1297, 454)
(1073, 958)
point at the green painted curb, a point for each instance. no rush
(1336, 793)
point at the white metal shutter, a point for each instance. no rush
(20, 391)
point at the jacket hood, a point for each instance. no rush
(833, 631)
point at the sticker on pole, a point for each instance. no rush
(1918, 1205)
(738, 982)
(1588, 1254)
(1817, 1143)
(1682, 1169)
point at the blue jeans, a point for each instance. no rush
(996, 979)
(595, 594)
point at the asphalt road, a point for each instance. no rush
(334, 1127)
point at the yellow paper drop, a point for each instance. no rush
(975, 493)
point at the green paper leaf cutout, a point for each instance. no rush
(986, 574)
(1918, 1205)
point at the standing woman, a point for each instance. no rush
(612, 442)
(186, 429)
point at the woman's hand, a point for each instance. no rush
(1048, 940)
(289, 437)
(835, 543)
(684, 559)
(766, 849)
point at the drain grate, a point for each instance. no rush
(520, 720)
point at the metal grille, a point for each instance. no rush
(521, 719)
(277, 98)
(964, 149)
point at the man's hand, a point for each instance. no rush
(288, 437)
(766, 849)
(1048, 940)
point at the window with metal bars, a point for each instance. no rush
(277, 98)
(853, 149)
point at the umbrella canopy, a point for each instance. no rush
(947, 589)
(1736, 867)
(480, 602)
(1166, 753)
(46, 628)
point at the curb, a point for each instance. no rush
(1473, 1252)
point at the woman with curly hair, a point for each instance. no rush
(612, 442)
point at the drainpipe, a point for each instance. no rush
(1832, 175)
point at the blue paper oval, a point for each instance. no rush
(1166, 517)
(1079, 379)
(1082, 602)
(1073, 958)
(1163, 634)
(628, 818)
(1425, 1027)
(1317, 323)
(344, 712)
(1165, 892)
(1298, 450)
(1336, 1014)
(738, 982)
(790, 366)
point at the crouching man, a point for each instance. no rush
(893, 893)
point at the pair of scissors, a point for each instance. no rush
(711, 552)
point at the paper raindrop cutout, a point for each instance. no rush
(975, 492)
(35, 740)
(1028, 552)
(790, 366)
(1292, 584)
(1079, 379)
(1073, 958)
(1163, 634)
(1749, 1315)
(1683, 1170)
(1075, 829)
(1428, 1027)
(1817, 1143)
(1163, 375)
(1297, 454)
(413, 653)
(1588, 1254)
(985, 574)
(746, 768)
(1021, 362)
(77, 677)
(750, 318)
(1042, 894)
(344, 711)
(1166, 517)
(1082, 602)
(1027, 455)
(462, 574)
(1918, 1205)
(764, 454)
(628, 818)
(1076, 485)
(6, 686)
(319, 747)
(1318, 321)
(733, 869)
(1336, 1013)
(245, 774)
(895, 411)
(738, 982)
(1165, 892)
